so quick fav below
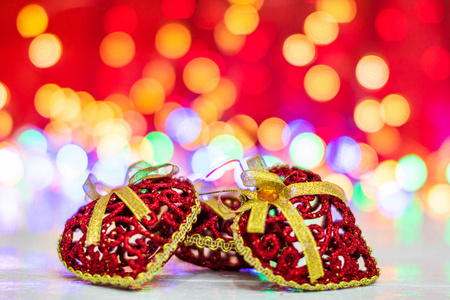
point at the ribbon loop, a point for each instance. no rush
(143, 170)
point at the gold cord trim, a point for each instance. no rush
(209, 242)
(153, 267)
(246, 252)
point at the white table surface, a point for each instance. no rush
(414, 262)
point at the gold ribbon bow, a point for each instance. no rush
(143, 170)
(271, 190)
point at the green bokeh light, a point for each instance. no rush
(230, 146)
(448, 173)
(33, 139)
(162, 147)
(307, 150)
(411, 173)
(360, 200)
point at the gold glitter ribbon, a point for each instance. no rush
(142, 170)
(270, 189)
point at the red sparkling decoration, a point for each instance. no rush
(344, 252)
(127, 245)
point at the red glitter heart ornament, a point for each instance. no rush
(343, 257)
(140, 227)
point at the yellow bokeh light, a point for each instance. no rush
(119, 100)
(322, 83)
(45, 50)
(6, 122)
(271, 134)
(162, 114)
(299, 50)
(201, 75)
(173, 40)
(343, 181)
(321, 27)
(396, 109)
(385, 172)
(147, 95)
(369, 116)
(111, 144)
(241, 18)
(343, 11)
(163, 71)
(117, 49)
(4, 95)
(214, 130)
(224, 94)
(64, 105)
(32, 20)
(42, 98)
(206, 109)
(372, 72)
(255, 3)
(438, 199)
(246, 130)
(228, 42)
(386, 140)
(369, 160)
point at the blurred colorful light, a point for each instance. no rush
(11, 171)
(6, 122)
(361, 200)
(117, 49)
(71, 160)
(273, 135)
(229, 145)
(183, 125)
(33, 140)
(228, 42)
(386, 140)
(435, 63)
(147, 95)
(322, 83)
(45, 50)
(299, 50)
(32, 20)
(438, 199)
(391, 24)
(392, 200)
(307, 150)
(245, 130)
(173, 40)
(157, 148)
(241, 18)
(447, 173)
(321, 28)
(4, 95)
(368, 115)
(396, 109)
(201, 75)
(411, 173)
(344, 182)
(372, 72)
(343, 11)
(163, 71)
(343, 154)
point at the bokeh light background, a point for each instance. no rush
(357, 91)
